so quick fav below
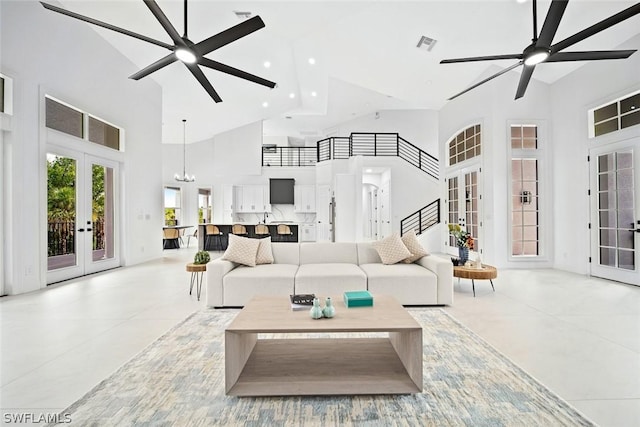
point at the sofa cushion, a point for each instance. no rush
(241, 250)
(331, 279)
(327, 252)
(367, 254)
(391, 249)
(286, 253)
(410, 284)
(264, 254)
(243, 283)
(410, 240)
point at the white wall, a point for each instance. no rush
(48, 53)
(493, 106)
(596, 83)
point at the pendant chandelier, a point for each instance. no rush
(184, 177)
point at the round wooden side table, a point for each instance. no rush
(487, 272)
(197, 271)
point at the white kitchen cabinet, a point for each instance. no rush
(251, 198)
(307, 232)
(304, 198)
(227, 204)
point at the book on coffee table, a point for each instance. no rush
(301, 301)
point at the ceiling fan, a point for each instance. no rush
(191, 54)
(541, 49)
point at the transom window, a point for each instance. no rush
(465, 145)
(74, 122)
(620, 114)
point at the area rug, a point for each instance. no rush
(179, 380)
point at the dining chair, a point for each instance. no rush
(170, 238)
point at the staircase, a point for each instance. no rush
(422, 219)
(378, 144)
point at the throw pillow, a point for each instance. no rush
(265, 254)
(391, 249)
(410, 240)
(242, 250)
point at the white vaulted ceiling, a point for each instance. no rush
(365, 54)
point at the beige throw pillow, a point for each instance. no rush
(410, 240)
(242, 250)
(265, 254)
(391, 249)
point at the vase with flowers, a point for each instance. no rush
(464, 241)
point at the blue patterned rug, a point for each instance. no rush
(179, 381)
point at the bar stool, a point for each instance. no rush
(262, 231)
(239, 230)
(212, 232)
(197, 271)
(283, 232)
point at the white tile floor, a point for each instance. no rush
(579, 336)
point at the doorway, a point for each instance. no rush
(82, 226)
(464, 207)
(615, 212)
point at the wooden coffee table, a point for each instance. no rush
(286, 365)
(487, 272)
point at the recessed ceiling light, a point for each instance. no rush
(368, 170)
(265, 104)
(314, 93)
(292, 95)
(267, 64)
(521, 1)
(312, 61)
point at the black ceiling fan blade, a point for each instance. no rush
(506, 70)
(199, 75)
(215, 65)
(164, 21)
(106, 25)
(525, 78)
(229, 35)
(160, 63)
(590, 55)
(551, 22)
(596, 28)
(482, 58)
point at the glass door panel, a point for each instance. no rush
(616, 213)
(463, 204)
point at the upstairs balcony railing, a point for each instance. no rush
(378, 144)
(289, 156)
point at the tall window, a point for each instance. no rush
(1, 94)
(75, 122)
(204, 206)
(454, 210)
(525, 186)
(172, 203)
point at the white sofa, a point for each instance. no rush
(330, 269)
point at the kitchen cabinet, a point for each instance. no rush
(304, 198)
(227, 204)
(307, 232)
(251, 198)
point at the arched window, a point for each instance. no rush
(465, 145)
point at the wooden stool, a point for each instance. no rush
(197, 271)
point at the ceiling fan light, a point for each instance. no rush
(185, 55)
(536, 57)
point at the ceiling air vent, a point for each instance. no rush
(426, 43)
(242, 15)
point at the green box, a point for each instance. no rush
(358, 299)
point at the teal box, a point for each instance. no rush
(358, 299)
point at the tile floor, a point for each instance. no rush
(579, 336)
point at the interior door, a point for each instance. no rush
(615, 212)
(82, 226)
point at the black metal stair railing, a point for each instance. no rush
(377, 144)
(422, 219)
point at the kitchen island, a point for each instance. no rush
(221, 242)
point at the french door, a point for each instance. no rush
(82, 224)
(615, 212)
(464, 205)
